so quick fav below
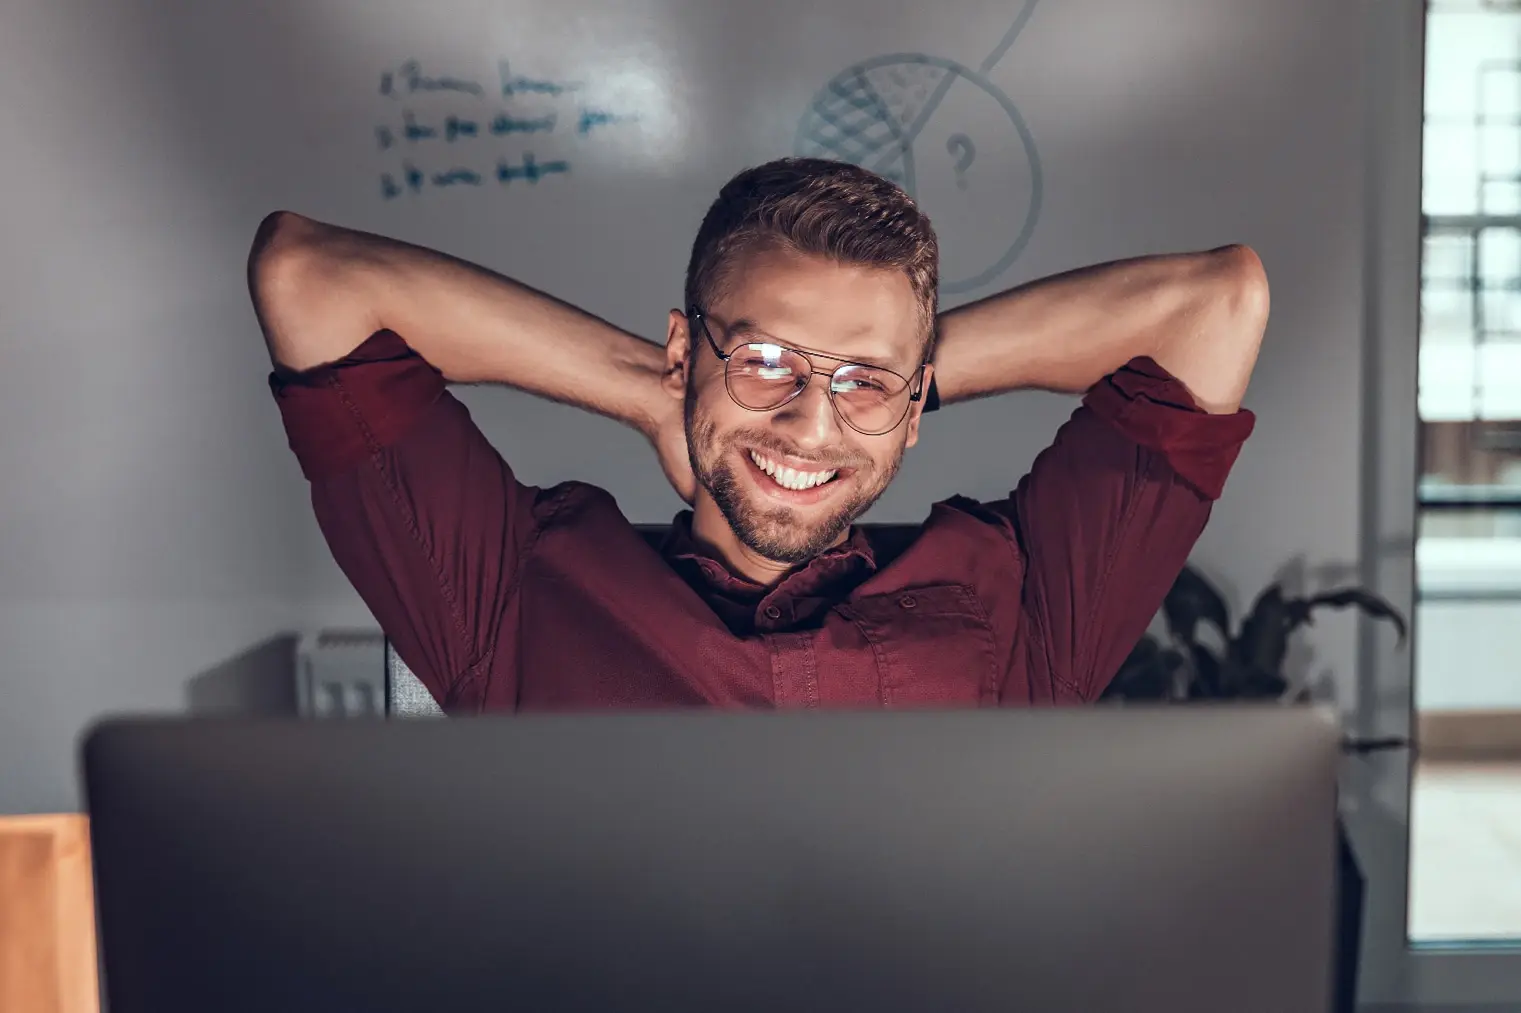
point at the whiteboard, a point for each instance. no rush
(576, 146)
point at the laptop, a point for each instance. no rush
(1076, 859)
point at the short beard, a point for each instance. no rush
(772, 534)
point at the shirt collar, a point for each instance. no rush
(851, 558)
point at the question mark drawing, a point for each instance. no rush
(963, 150)
(881, 112)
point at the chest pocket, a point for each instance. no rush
(933, 645)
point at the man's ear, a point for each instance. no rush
(678, 345)
(916, 408)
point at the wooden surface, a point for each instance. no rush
(47, 916)
(1451, 735)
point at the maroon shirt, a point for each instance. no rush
(501, 596)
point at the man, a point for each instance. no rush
(791, 383)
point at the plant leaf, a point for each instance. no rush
(1232, 678)
(1263, 684)
(1264, 638)
(1205, 682)
(1144, 675)
(1171, 662)
(1342, 597)
(1191, 600)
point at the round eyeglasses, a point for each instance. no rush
(761, 376)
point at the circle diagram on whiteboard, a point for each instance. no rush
(951, 138)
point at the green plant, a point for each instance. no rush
(1247, 664)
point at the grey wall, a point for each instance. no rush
(154, 525)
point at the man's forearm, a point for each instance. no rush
(320, 291)
(1199, 315)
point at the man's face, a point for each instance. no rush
(790, 481)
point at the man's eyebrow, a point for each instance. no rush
(751, 331)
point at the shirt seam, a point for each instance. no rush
(514, 586)
(1056, 677)
(973, 604)
(810, 673)
(778, 687)
(1042, 637)
(1127, 518)
(409, 518)
(884, 691)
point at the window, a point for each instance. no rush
(1465, 807)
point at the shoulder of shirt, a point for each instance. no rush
(957, 528)
(572, 503)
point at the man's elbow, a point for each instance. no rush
(283, 240)
(1214, 360)
(294, 284)
(1245, 288)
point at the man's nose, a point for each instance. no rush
(809, 419)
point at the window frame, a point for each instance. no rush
(1394, 974)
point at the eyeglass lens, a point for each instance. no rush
(764, 376)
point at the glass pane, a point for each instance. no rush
(1446, 258)
(1500, 197)
(1465, 833)
(1447, 311)
(1450, 168)
(1498, 154)
(1500, 93)
(1500, 256)
(1501, 312)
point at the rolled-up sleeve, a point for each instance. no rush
(420, 512)
(1106, 519)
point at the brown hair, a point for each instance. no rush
(823, 207)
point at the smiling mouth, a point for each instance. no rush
(791, 478)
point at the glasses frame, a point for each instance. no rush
(698, 317)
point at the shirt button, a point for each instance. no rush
(907, 601)
(772, 612)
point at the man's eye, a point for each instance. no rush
(858, 386)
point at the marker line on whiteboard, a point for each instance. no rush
(1008, 37)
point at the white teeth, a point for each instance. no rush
(790, 478)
